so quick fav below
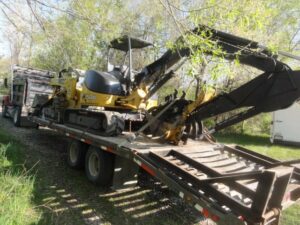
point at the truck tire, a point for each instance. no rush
(4, 111)
(76, 154)
(17, 117)
(99, 166)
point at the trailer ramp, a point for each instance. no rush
(234, 182)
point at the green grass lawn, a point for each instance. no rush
(16, 186)
(3, 91)
(262, 144)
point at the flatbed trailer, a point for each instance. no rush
(227, 184)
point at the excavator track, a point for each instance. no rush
(104, 123)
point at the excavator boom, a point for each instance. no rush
(276, 88)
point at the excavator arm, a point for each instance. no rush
(276, 88)
(247, 51)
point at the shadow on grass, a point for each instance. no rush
(64, 195)
(12, 154)
(132, 206)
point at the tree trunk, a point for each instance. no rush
(5, 83)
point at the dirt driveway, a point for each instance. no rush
(66, 197)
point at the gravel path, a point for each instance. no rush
(66, 197)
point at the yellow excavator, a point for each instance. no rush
(111, 89)
(103, 101)
(108, 103)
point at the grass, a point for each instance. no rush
(3, 91)
(16, 186)
(261, 144)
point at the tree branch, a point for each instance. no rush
(35, 15)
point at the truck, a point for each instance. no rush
(227, 184)
(285, 126)
(27, 83)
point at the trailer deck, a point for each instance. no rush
(228, 184)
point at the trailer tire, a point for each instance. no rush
(76, 154)
(4, 111)
(99, 166)
(17, 117)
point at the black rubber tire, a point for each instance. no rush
(76, 154)
(99, 166)
(4, 111)
(17, 117)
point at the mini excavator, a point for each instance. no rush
(108, 101)
(104, 101)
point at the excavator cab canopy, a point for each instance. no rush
(122, 43)
(120, 60)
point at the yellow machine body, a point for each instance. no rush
(78, 97)
(173, 132)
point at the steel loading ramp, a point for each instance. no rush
(231, 181)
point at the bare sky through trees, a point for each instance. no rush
(4, 44)
(20, 14)
(53, 34)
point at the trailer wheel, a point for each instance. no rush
(76, 154)
(99, 166)
(17, 116)
(4, 111)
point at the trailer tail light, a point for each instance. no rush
(71, 135)
(148, 170)
(241, 218)
(86, 141)
(206, 213)
(145, 167)
(215, 218)
(108, 149)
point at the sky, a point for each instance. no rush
(25, 11)
(4, 45)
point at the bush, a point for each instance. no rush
(259, 124)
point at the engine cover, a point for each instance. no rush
(103, 82)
